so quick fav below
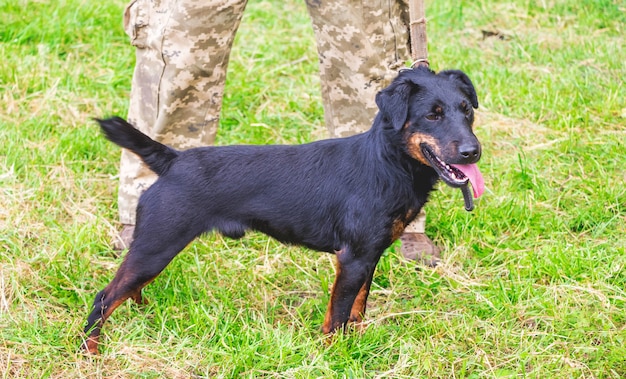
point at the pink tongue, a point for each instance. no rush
(475, 177)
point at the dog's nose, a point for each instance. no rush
(470, 152)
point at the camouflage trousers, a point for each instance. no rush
(182, 53)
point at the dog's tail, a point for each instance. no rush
(156, 155)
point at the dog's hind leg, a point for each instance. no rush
(350, 290)
(124, 285)
(149, 254)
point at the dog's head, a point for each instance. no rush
(434, 114)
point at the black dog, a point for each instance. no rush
(348, 196)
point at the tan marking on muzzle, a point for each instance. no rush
(413, 142)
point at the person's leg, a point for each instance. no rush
(182, 50)
(361, 47)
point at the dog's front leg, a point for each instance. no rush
(349, 293)
(358, 307)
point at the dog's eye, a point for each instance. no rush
(466, 108)
(436, 114)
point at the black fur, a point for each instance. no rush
(156, 155)
(348, 196)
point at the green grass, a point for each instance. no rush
(532, 283)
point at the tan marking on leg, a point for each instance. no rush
(328, 326)
(90, 345)
(91, 342)
(358, 308)
(137, 296)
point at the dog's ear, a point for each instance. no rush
(393, 102)
(464, 83)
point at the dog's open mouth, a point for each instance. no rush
(450, 174)
(457, 175)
